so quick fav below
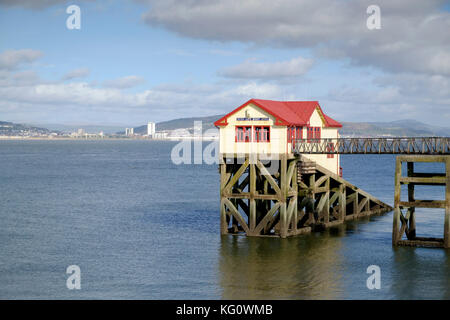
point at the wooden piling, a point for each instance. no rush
(405, 224)
(447, 204)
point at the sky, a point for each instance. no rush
(154, 60)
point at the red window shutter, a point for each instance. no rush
(257, 134)
(310, 133)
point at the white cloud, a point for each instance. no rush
(33, 4)
(12, 59)
(76, 73)
(23, 78)
(411, 49)
(24, 95)
(268, 70)
(402, 96)
(124, 82)
(76, 101)
(412, 37)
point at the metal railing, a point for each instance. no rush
(416, 145)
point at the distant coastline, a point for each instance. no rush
(183, 129)
(137, 138)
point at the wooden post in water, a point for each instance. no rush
(447, 204)
(397, 193)
(412, 219)
(405, 224)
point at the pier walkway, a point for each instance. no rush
(410, 151)
(394, 145)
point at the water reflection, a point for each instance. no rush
(306, 267)
(332, 265)
(420, 273)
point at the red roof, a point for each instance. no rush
(286, 113)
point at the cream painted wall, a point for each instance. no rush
(278, 136)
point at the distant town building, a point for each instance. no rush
(160, 135)
(129, 131)
(80, 132)
(151, 129)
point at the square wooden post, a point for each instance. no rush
(342, 202)
(412, 219)
(223, 213)
(397, 193)
(252, 214)
(283, 187)
(295, 188)
(326, 217)
(447, 204)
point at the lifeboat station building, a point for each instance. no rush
(272, 128)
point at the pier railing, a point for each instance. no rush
(415, 145)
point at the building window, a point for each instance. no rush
(262, 134)
(294, 133)
(317, 132)
(243, 134)
(299, 133)
(289, 134)
(309, 133)
(330, 148)
(313, 133)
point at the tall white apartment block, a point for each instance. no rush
(129, 131)
(151, 128)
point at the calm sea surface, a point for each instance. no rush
(141, 227)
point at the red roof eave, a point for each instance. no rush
(279, 121)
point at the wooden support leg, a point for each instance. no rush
(223, 181)
(447, 204)
(412, 219)
(342, 202)
(396, 226)
(283, 193)
(356, 205)
(295, 188)
(283, 220)
(252, 216)
(326, 212)
(397, 213)
(223, 218)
